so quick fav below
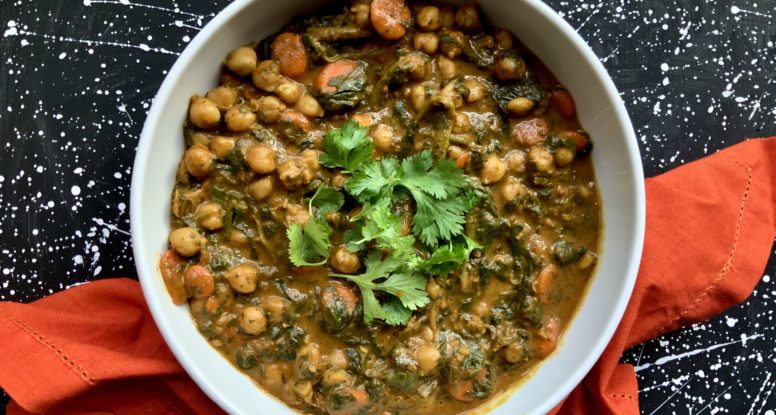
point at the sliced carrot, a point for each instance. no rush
(564, 103)
(211, 305)
(579, 140)
(461, 161)
(298, 119)
(390, 18)
(357, 401)
(544, 282)
(322, 85)
(198, 282)
(291, 54)
(170, 265)
(343, 293)
(461, 390)
(547, 341)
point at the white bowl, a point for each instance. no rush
(602, 113)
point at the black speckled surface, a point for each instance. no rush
(77, 77)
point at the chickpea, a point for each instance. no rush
(428, 18)
(467, 18)
(200, 138)
(360, 13)
(514, 352)
(364, 120)
(512, 189)
(253, 320)
(268, 109)
(418, 97)
(239, 119)
(541, 157)
(434, 289)
(427, 357)
(564, 156)
(335, 377)
(267, 76)
(292, 174)
(289, 92)
(446, 67)
(476, 90)
(339, 359)
(199, 161)
(509, 68)
(309, 106)
(187, 241)
(481, 309)
(426, 43)
(309, 357)
(210, 216)
(504, 39)
(262, 188)
(261, 159)
(345, 261)
(241, 61)
(520, 106)
(493, 170)
(446, 16)
(297, 214)
(238, 238)
(515, 161)
(454, 152)
(384, 139)
(304, 390)
(221, 146)
(223, 96)
(461, 123)
(204, 113)
(275, 306)
(452, 48)
(243, 278)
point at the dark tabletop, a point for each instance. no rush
(77, 77)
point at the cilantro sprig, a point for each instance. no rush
(393, 283)
(309, 245)
(437, 189)
(402, 290)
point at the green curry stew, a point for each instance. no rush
(389, 209)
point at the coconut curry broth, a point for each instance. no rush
(447, 85)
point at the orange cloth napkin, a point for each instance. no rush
(94, 348)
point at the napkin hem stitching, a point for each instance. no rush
(731, 254)
(67, 361)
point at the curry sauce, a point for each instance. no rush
(386, 209)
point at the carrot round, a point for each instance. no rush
(389, 18)
(564, 103)
(544, 282)
(198, 281)
(546, 344)
(335, 69)
(461, 161)
(296, 118)
(579, 140)
(291, 54)
(170, 267)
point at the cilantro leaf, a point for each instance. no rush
(390, 276)
(326, 200)
(442, 180)
(373, 179)
(448, 258)
(347, 147)
(437, 219)
(377, 223)
(308, 246)
(394, 313)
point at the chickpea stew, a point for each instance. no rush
(388, 209)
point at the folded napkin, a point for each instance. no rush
(94, 349)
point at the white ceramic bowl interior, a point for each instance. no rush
(603, 115)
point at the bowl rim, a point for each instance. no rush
(185, 59)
